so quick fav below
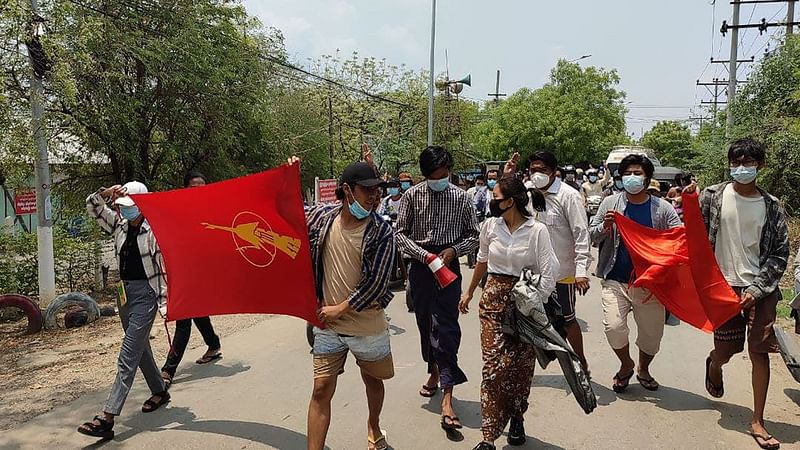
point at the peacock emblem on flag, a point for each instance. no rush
(255, 240)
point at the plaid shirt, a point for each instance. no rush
(377, 256)
(436, 219)
(774, 246)
(152, 260)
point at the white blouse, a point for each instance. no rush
(529, 246)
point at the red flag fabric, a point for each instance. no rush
(238, 246)
(679, 267)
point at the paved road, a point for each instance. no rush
(257, 398)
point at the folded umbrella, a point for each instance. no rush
(535, 327)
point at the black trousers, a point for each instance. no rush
(183, 330)
(437, 319)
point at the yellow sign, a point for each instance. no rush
(255, 240)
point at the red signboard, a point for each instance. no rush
(327, 191)
(25, 202)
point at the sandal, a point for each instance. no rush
(621, 382)
(104, 431)
(428, 391)
(648, 383)
(764, 442)
(167, 380)
(454, 424)
(209, 358)
(150, 405)
(379, 443)
(714, 391)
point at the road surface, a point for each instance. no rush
(257, 397)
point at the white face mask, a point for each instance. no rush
(540, 180)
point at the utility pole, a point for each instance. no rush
(44, 210)
(790, 18)
(497, 93)
(734, 55)
(330, 132)
(432, 74)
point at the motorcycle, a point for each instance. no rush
(593, 205)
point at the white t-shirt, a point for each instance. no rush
(528, 246)
(738, 246)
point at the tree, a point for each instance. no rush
(672, 142)
(768, 109)
(579, 115)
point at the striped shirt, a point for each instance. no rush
(117, 227)
(377, 257)
(429, 219)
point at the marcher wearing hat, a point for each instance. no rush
(352, 251)
(438, 218)
(654, 188)
(142, 293)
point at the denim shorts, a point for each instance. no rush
(373, 354)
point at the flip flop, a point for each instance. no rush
(714, 391)
(648, 383)
(452, 425)
(379, 443)
(766, 438)
(208, 359)
(621, 383)
(428, 391)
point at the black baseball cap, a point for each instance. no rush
(362, 174)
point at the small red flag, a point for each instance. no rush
(238, 246)
(679, 267)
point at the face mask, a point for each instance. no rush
(618, 184)
(744, 174)
(393, 192)
(491, 184)
(633, 184)
(593, 179)
(358, 211)
(130, 213)
(438, 185)
(540, 180)
(495, 209)
(405, 185)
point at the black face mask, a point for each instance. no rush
(494, 207)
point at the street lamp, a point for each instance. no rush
(431, 81)
(578, 59)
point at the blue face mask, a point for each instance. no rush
(491, 184)
(618, 184)
(593, 178)
(358, 211)
(439, 185)
(633, 184)
(744, 174)
(405, 185)
(394, 191)
(130, 213)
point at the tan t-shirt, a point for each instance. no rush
(341, 258)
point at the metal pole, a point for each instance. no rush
(733, 65)
(432, 74)
(790, 18)
(330, 132)
(44, 229)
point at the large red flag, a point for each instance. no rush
(238, 246)
(679, 267)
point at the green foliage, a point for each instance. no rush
(579, 115)
(768, 109)
(672, 142)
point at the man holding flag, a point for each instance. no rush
(747, 230)
(352, 252)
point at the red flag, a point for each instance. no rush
(679, 267)
(238, 246)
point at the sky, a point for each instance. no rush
(660, 48)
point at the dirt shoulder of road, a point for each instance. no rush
(42, 371)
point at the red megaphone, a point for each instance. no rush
(444, 276)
